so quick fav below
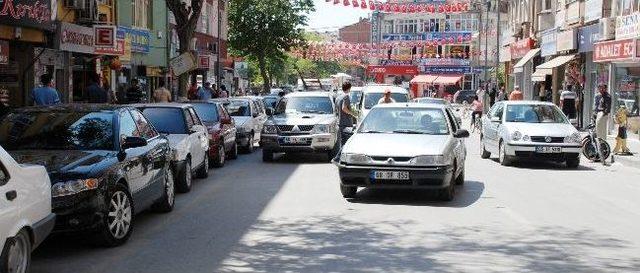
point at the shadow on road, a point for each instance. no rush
(545, 165)
(300, 158)
(465, 196)
(338, 244)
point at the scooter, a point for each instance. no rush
(590, 145)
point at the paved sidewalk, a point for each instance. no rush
(633, 142)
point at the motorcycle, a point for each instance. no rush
(590, 145)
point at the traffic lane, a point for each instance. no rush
(205, 223)
(505, 219)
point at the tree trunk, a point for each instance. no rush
(183, 79)
(266, 83)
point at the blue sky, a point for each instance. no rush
(331, 17)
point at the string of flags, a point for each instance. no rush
(377, 5)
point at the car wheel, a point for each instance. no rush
(460, 178)
(16, 256)
(267, 156)
(222, 154)
(234, 151)
(185, 179)
(165, 204)
(203, 171)
(505, 160)
(348, 191)
(447, 194)
(573, 162)
(484, 154)
(119, 218)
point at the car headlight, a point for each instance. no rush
(73, 187)
(320, 129)
(573, 138)
(526, 138)
(355, 158)
(516, 136)
(270, 129)
(431, 160)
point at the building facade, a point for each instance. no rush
(359, 32)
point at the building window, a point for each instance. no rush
(627, 7)
(141, 15)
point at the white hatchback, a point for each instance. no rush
(25, 212)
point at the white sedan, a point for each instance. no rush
(529, 130)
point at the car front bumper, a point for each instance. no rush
(528, 150)
(243, 138)
(79, 212)
(305, 143)
(421, 177)
(42, 228)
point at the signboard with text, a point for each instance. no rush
(445, 62)
(105, 35)
(452, 37)
(139, 38)
(116, 50)
(587, 37)
(628, 26)
(183, 64)
(446, 70)
(75, 38)
(619, 50)
(204, 62)
(520, 48)
(27, 13)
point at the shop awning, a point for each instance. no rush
(447, 80)
(527, 57)
(424, 79)
(555, 62)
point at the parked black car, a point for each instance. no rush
(106, 164)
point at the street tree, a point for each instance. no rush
(187, 16)
(265, 29)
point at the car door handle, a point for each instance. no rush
(11, 195)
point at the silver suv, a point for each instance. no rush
(301, 122)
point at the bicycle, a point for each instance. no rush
(595, 148)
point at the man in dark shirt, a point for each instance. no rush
(134, 93)
(603, 108)
(95, 92)
(345, 115)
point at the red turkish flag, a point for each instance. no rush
(387, 7)
(372, 5)
(355, 4)
(335, 2)
(346, 2)
(403, 8)
(363, 4)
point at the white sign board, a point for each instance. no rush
(628, 26)
(183, 63)
(75, 38)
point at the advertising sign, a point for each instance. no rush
(139, 39)
(116, 50)
(395, 62)
(520, 48)
(548, 45)
(587, 36)
(627, 26)
(183, 64)
(393, 69)
(444, 62)
(4, 52)
(204, 61)
(452, 36)
(27, 13)
(446, 70)
(105, 35)
(619, 50)
(592, 10)
(75, 38)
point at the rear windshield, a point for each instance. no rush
(208, 112)
(371, 99)
(166, 120)
(239, 108)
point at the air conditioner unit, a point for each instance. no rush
(607, 28)
(74, 4)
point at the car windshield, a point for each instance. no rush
(532, 113)
(208, 112)
(315, 105)
(270, 101)
(371, 99)
(166, 120)
(239, 108)
(405, 121)
(58, 131)
(355, 96)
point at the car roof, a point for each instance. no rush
(309, 94)
(162, 105)
(380, 88)
(73, 107)
(411, 105)
(526, 102)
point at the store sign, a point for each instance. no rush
(27, 13)
(592, 10)
(140, 39)
(444, 62)
(204, 62)
(520, 48)
(117, 49)
(567, 40)
(395, 62)
(75, 38)
(452, 36)
(105, 35)
(183, 64)
(628, 26)
(548, 44)
(393, 69)
(587, 36)
(446, 70)
(619, 50)
(4, 52)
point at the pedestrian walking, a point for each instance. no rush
(603, 108)
(95, 93)
(492, 96)
(345, 115)
(134, 93)
(161, 94)
(386, 98)
(204, 92)
(516, 94)
(476, 108)
(45, 94)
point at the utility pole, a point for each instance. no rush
(486, 44)
(498, 7)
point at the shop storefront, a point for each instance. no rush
(522, 53)
(594, 73)
(449, 66)
(562, 71)
(392, 74)
(79, 41)
(623, 59)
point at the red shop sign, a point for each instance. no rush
(393, 69)
(204, 61)
(520, 48)
(621, 50)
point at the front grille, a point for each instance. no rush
(285, 128)
(395, 158)
(543, 139)
(294, 134)
(305, 128)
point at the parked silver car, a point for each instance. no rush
(248, 118)
(532, 130)
(302, 122)
(405, 145)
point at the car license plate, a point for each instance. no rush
(548, 150)
(390, 175)
(292, 140)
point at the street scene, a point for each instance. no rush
(319, 136)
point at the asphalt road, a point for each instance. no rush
(288, 216)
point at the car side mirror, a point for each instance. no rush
(269, 111)
(196, 128)
(225, 121)
(462, 133)
(133, 142)
(496, 119)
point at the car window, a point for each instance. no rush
(371, 99)
(187, 116)
(314, 105)
(128, 126)
(452, 120)
(146, 129)
(208, 112)
(405, 120)
(166, 120)
(222, 112)
(534, 113)
(194, 116)
(58, 130)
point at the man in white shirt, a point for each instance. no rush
(386, 98)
